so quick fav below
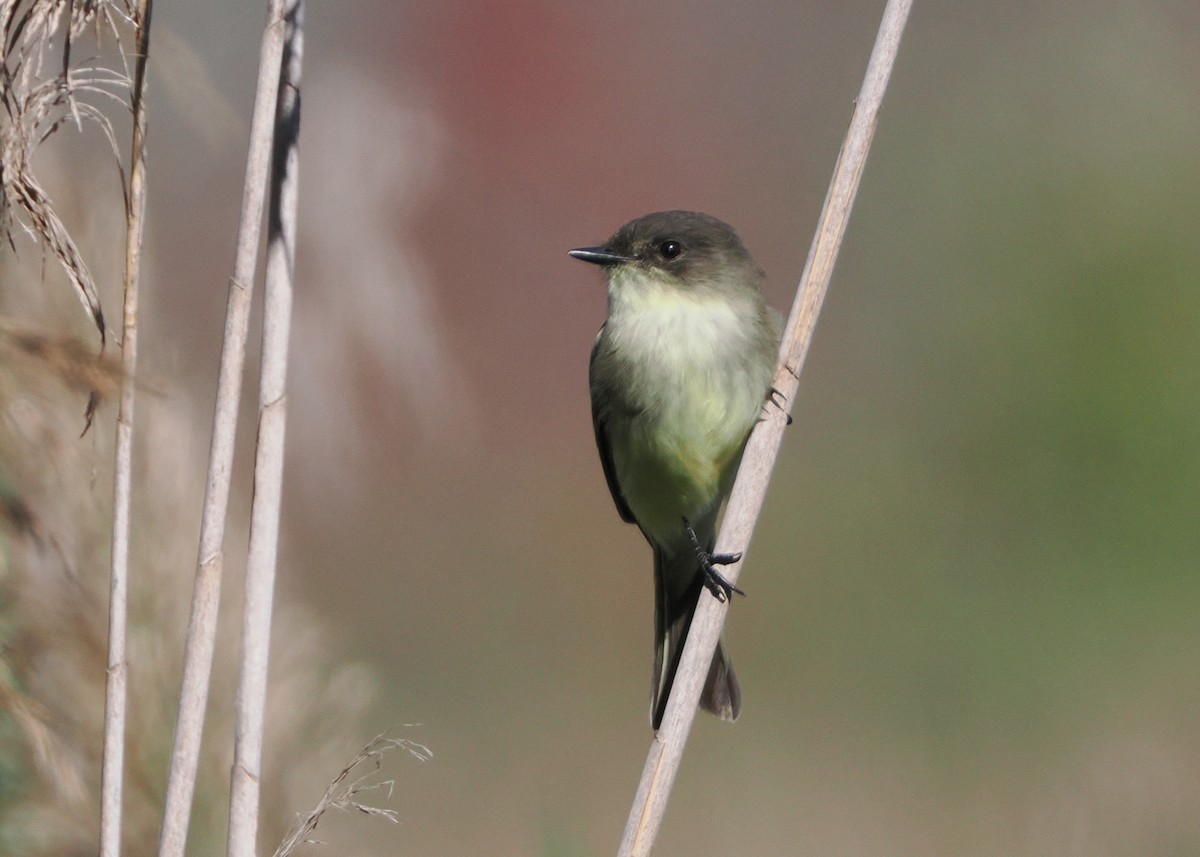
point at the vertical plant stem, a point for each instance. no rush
(268, 464)
(202, 626)
(116, 694)
(746, 499)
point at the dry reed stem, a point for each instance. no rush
(56, 530)
(202, 626)
(115, 700)
(666, 750)
(115, 689)
(268, 463)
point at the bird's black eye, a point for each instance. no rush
(670, 249)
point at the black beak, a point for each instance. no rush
(598, 256)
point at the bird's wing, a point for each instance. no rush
(602, 445)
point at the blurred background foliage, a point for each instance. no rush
(972, 621)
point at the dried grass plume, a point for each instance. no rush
(37, 102)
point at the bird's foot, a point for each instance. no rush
(715, 582)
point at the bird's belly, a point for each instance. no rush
(679, 454)
(692, 391)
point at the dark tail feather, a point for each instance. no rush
(721, 695)
(672, 617)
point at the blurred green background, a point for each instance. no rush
(973, 622)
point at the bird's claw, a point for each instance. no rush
(776, 398)
(715, 582)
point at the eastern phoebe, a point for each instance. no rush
(679, 373)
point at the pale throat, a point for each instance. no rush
(660, 320)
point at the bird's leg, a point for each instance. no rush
(714, 581)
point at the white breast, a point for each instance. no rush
(697, 384)
(666, 326)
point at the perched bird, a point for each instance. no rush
(679, 373)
